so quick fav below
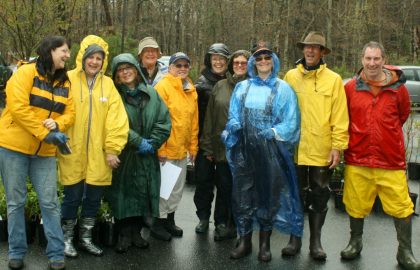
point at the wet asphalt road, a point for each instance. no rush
(194, 251)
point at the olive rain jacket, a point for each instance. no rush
(217, 115)
(376, 135)
(101, 125)
(136, 182)
(30, 100)
(324, 117)
(181, 99)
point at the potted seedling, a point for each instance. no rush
(105, 227)
(3, 214)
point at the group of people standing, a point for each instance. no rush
(269, 146)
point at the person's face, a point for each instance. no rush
(240, 65)
(149, 56)
(218, 64)
(60, 55)
(180, 68)
(127, 74)
(264, 63)
(312, 54)
(373, 63)
(93, 64)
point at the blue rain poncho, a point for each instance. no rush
(262, 130)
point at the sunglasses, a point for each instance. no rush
(240, 63)
(182, 66)
(260, 58)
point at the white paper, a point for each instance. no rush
(169, 174)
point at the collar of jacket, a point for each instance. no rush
(361, 85)
(233, 80)
(211, 76)
(184, 85)
(316, 72)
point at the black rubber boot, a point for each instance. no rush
(264, 254)
(355, 245)
(171, 227)
(124, 238)
(243, 248)
(316, 221)
(405, 255)
(85, 236)
(158, 230)
(293, 247)
(68, 231)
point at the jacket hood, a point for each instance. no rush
(237, 53)
(216, 48)
(252, 71)
(393, 84)
(86, 42)
(122, 59)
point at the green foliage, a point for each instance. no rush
(32, 209)
(3, 204)
(104, 213)
(343, 71)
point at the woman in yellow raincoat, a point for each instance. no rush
(97, 138)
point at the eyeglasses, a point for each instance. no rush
(123, 69)
(312, 46)
(260, 58)
(240, 63)
(182, 66)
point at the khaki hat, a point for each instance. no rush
(314, 38)
(148, 42)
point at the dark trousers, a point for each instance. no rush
(223, 209)
(89, 196)
(205, 171)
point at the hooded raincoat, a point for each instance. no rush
(101, 125)
(136, 182)
(265, 185)
(324, 114)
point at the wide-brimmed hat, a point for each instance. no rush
(148, 42)
(314, 38)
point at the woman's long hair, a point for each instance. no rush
(45, 62)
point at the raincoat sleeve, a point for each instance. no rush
(404, 105)
(234, 124)
(18, 91)
(287, 115)
(339, 117)
(66, 120)
(116, 126)
(161, 90)
(207, 133)
(194, 131)
(162, 127)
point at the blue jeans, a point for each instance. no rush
(15, 167)
(81, 193)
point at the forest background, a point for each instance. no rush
(192, 26)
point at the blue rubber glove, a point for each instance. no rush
(145, 147)
(56, 138)
(267, 134)
(235, 128)
(224, 136)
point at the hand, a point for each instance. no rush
(334, 158)
(210, 158)
(145, 147)
(192, 159)
(112, 160)
(267, 134)
(235, 128)
(50, 124)
(56, 138)
(162, 159)
(224, 136)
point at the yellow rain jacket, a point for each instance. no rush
(101, 125)
(183, 108)
(31, 100)
(324, 116)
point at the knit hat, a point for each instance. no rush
(148, 42)
(91, 49)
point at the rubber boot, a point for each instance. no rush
(158, 231)
(170, 226)
(85, 236)
(405, 255)
(243, 248)
(137, 240)
(293, 247)
(355, 245)
(316, 221)
(124, 237)
(264, 254)
(68, 231)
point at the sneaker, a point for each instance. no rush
(56, 265)
(223, 232)
(15, 264)
(202, 226)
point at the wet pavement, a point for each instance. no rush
(194, 251)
